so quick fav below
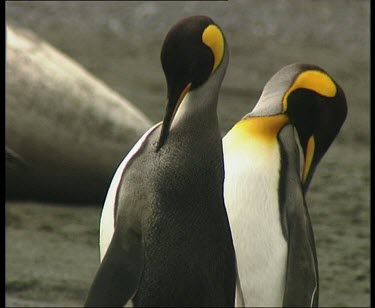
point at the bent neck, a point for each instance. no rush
(198, 110)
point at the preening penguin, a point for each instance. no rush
(164, 233)
(270, 156)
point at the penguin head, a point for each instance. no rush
(313, 102)
(193, 50)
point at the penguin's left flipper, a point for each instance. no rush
(119, 273)
(302, 280)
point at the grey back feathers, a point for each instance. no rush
(273, 92)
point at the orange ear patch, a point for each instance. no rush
(214, 39)
(316, 81)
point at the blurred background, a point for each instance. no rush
(84, 81)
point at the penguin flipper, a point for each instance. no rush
(119, 273)
(302, 280)
(239, 299)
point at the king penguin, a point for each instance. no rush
(270, 156)
(165, 238)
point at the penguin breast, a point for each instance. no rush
(252, 169)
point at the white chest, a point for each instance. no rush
(251, 198)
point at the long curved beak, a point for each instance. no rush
(174, 102)
(308, 164)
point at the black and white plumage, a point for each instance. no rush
(270, 156)
(164, 233)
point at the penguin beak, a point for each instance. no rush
(308, 162)
(174, 101)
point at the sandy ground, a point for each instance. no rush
(51, 249)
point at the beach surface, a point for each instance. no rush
(52, 251)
